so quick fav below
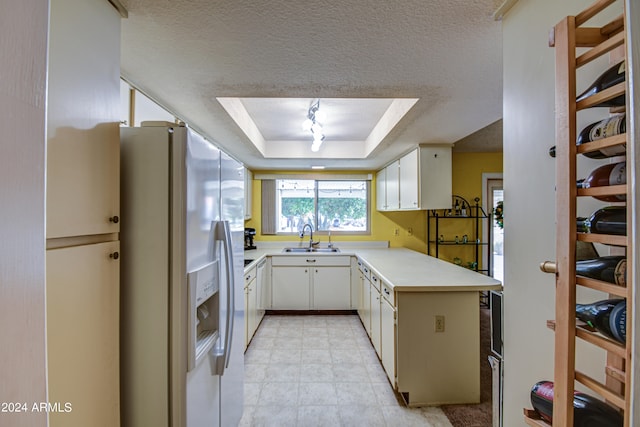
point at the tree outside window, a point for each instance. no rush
(326, 205)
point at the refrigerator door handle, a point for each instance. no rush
(220, 359)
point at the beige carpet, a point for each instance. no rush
(479, 415)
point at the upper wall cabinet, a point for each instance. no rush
(419, 180)
(83, 135)
(248, 193)
(388, 188)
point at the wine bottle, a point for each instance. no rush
(612, 269)
(607, 220)
(611, 126)
(609, 174)
(610, 78)
(587, 410)
(609, 317)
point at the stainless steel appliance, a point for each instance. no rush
(182, 309)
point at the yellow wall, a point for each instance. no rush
(411, 226)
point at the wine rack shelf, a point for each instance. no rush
(599, 285)
(612, 141)
(569, 38)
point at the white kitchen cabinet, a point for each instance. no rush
(388, 334)
(409, 179)
(421, 179)
(355, 284)
(248, 193)
(250, 305)
(331, 288)
(83, 333)
(364, 305)
(263, 289)
(311, 283)
(375, 313)
(381, 190)
(392, 192)
(291, 289)
(83, 134)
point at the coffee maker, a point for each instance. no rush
(248, 238)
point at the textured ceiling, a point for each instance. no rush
(186, 53)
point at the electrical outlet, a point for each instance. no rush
(396, 232)
(439, 323)
(410, 231)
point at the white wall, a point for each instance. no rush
(23, 61)
(529, 185)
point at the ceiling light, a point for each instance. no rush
(317, 167)
(313, 123)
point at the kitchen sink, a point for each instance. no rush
(307, 250)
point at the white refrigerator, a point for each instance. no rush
(182, 261)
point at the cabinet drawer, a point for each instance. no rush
(366, 271)
(301, 260)
(375, 281)
(387, 292)
(249, 276)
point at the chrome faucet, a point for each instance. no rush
(311, 242)
(330, 244)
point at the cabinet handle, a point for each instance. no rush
(114, 255)
(311, 260)
(114, 219)
(386, 291)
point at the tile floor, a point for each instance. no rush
(321, 371)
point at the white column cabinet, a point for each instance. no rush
(83, 352)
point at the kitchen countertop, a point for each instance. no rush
(403, 269)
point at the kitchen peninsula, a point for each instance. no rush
(421, 314)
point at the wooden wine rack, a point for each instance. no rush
(569, 35)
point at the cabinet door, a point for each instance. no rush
(435, 177)
(331, 288)
(381, 190)
(290, 288)
(83, 134)
(83, 334)
(393, 186)
(252, 306)
(375, 318)
(409, 179)
(262, 290)
(248, 193)
(388, 339)
(366, 304)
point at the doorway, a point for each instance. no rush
(493, 197)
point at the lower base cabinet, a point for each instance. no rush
(83, 350)
(388, 339)
(375, 318)
(310, 283)
(290, 288)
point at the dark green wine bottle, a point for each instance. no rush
(609, 317)
(607, 220)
